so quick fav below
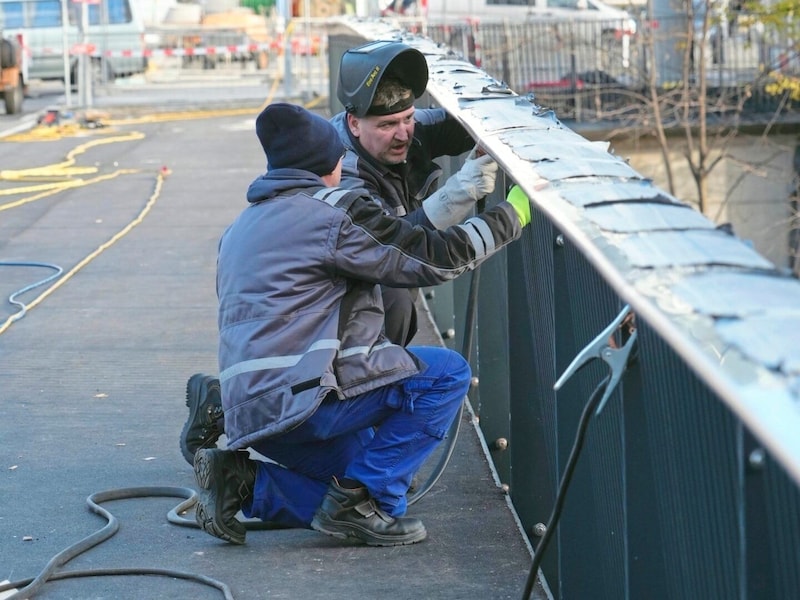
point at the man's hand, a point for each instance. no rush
(478, 174)
(476, 152)
(455, 200)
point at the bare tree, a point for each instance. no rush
(708, 121)
(700, 107)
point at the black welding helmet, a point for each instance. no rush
(362, 68)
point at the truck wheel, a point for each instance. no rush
(13, 98)
(8, 54)
(102, 72)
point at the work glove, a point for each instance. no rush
(453, 202)
(519, 200)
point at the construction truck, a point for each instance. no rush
(13, 72)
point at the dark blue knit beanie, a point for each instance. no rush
(295, 138)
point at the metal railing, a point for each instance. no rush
(688, 484)
(588, 70)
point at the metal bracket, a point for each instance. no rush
(604, 347)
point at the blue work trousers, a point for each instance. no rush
(380, 438)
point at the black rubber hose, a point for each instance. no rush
(566, 478)
(466, 351)
(32, 586)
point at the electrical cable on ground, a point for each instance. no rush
(566, 479)
(62, 174)
(12, 299)
(99, 250)
(34, 585)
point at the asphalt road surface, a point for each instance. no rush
(93, 375)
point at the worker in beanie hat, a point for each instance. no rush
(295, 138)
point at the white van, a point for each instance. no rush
(115, 36)
(519, 11)
(599, 34)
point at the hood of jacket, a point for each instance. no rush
(279, 182)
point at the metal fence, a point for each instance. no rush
(587, 70)
(688, 482)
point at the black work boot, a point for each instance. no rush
(204, 425)
(227, 479)
(353, 513)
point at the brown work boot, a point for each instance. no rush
(226, 479)
(353, 513)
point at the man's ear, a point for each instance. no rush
(354, 124)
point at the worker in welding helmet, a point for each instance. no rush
(390, 146)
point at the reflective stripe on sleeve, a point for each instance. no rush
(480, 235)
(275, 362)
(363, 349)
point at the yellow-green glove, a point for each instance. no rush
(519, 200)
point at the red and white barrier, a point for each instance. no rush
(299, 46)
(198, 51)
